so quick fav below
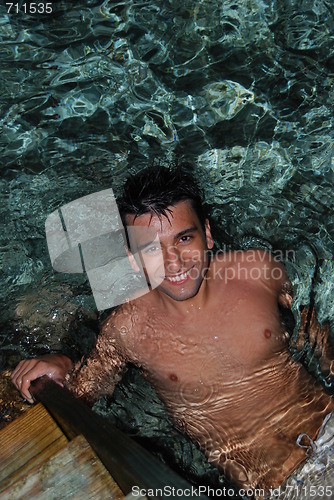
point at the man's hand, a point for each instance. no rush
(55, 366)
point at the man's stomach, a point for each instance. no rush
(249, 428)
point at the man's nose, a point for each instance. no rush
(173, 261)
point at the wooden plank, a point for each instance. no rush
(73, 473)
(26, 442)
(11, 403)
(128, 463)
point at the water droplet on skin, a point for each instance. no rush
(123, 330)
(216, 338)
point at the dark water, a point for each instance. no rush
(243, 90)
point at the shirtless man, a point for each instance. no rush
(209, 338)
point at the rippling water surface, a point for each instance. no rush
(96, 89)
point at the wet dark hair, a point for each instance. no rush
(156, 188)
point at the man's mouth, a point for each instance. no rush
(178, 277)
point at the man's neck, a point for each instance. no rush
(187, 306)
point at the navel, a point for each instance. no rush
(173, 377)
(267, 333)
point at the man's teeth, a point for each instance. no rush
(179, 277)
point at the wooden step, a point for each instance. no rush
(27, 442)
(74, 472)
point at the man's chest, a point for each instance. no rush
(195, 361)
(225, 341)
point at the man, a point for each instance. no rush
(208, 336)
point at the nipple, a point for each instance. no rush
(267, 333)
(173, 377)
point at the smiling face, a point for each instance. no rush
(173, 252)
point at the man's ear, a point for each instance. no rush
(132, 260)
(208, 235)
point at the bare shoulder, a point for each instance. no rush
(126, 318)
(256, 266)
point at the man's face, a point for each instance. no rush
(173, 252)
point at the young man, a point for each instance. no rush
(208, 336)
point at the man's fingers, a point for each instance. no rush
(54, 366)
(25, 390)
(17, 371)
(20, 371)
(25, 372)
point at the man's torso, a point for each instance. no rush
(226, 377)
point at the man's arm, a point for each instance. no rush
(88, 379)
(99, 373)
(317, 338)
(312, 336)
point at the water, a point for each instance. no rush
(97, 89)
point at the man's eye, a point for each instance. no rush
(152, 249)
(185, 239)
